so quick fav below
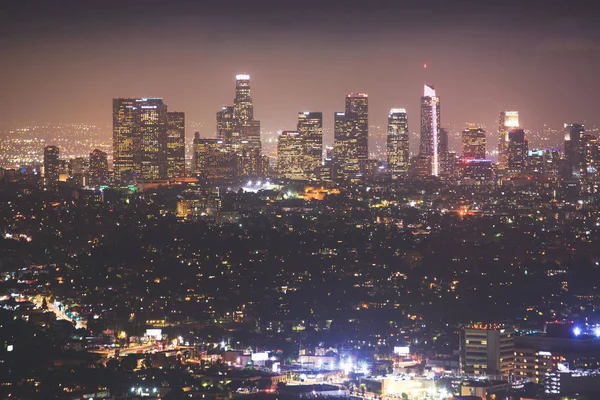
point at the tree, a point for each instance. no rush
(44, 304)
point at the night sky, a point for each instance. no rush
(64, 61)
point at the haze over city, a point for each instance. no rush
(63, 63)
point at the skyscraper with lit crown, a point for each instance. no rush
(430, 129)
(397, 143)
(507, 120)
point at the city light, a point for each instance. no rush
(577, 331)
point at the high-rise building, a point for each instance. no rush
(237, 128)
(397, 143)
(290, 156)
(473, 144)
(51, 167)
(243, 110)
(225, 124)
(153, 134)
(175, 144)
(517, 151)
(573, 150)
(345, 145)
(78, 170)
(139, 139)
(430, 129)
(310, 127)
(487, 350)
(543, 162)
(250, 135)
(507, 120)
(357, 108)
(213, 160)
(98, 170)
(126, 140)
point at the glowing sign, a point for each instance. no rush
(154, 333)
(264, 356)
(242, 77)
(402, 350)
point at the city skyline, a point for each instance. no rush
(313, 68)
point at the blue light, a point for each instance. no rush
(577, 331)
(597, 332)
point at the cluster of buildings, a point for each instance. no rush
(149, 146)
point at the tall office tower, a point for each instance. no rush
(139, 139)
(51, 167)
(473, 144)
(487, 350)
(517, 151)
(225, 124)
(153, 138)
(573, 150)
(357, 108)
(250, 163)
(175, 144)
(78, 170)
(589, 156)
(98, 171)
(345, 145)
(430, 127)
(508, 120)
(213, 160)
(243, 109)
(543, 162)
(126, 140)
(397, 143)
(310, 127)
(250, 135)
(290, 156)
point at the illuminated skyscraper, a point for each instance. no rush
(51, 167)
(243, 110)
(140, 140)
(310, 127)
(397, 143)
(473, 144)
(430, 126)
(574, 163)
(175, 144)
(225, 124)
(98, 170)
(517, 151)
(357, 110)
(213, 160)
(507, 120)
(153, 137)
(345, 145)
(126, 140)
(290, 156)
(250, 135)
(236, 125)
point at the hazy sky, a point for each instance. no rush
(64, 61)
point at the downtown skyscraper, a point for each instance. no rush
(140, 139)
(506, 121)
(351, 135)
(397, 143)
(51, 167)
(473, 144)
(236, 125)
(310, 127)
(429, 146)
